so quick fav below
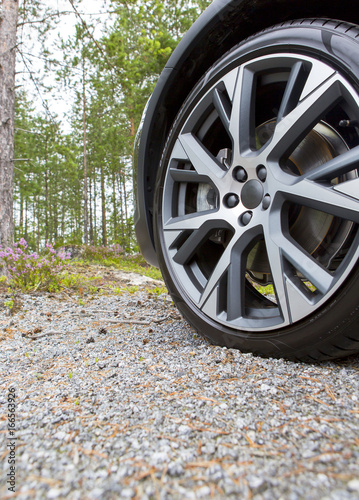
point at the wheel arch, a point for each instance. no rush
(224, 24)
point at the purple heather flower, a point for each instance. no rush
(23, 243)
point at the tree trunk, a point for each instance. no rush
(114, 205)
(95, 208)
(90, 207)
(86, 239)
(25, 228)
(46, 205)
(8, 22)
(63, 214)
(21, 220)
(122, 224)
(103, 207)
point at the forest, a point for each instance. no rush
(72, 170)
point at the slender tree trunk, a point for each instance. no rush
(103, 207)
(21, 220)
(46, 193)
(55, 204)
(122, 225)
(114, 204)
(46, 205)
(55, 218)
(63, 215)
(38, 215)
(8, 22)
(95, 209)
(125, 198)
(25, 228)
(86, 239)
(91, 217)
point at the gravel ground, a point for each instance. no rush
(151, 410)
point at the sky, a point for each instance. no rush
(57, 101)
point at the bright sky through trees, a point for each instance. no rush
(85, 70)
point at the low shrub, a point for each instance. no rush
(98, 253)
(30, 271)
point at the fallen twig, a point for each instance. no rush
(35, 337)
(127, 321)
(68, 296)
(139, 322)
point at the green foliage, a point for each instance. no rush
(29, 271)
(111, 79)
(264, 290)
(157, 291)
(100, 253)
(130, 289)
(70, 280)
(9, 303)
(47, 184)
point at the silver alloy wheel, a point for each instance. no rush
(260, 199)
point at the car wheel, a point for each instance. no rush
(257, 195)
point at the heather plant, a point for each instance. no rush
(30, 271)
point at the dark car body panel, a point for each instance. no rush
(224, 24)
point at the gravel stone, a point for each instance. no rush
(154, 411)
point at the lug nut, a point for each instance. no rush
(261, 173)
(266, 201)
(240, 174)
(231, 200)
(246, 218)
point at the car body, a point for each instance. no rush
(224, 25)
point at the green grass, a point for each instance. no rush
(264, 290)
(134, 264)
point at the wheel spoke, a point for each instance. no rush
(276, 264)
(241, 125)
(307, 265)
(232, 256)
(223, 107)
(236, 284)
(187, 176)
(279, 249)
(350, 188)
(339, 165)
(201, 159)
(325, 199)
(193, 222)
(196, 239)
(294, 89)
(294, 126)
(318, 74)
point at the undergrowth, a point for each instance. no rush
(113, 256)
(52, 271)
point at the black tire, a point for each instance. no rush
(257, 195)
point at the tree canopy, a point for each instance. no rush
(73, 182)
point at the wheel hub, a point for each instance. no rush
(252, 194)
